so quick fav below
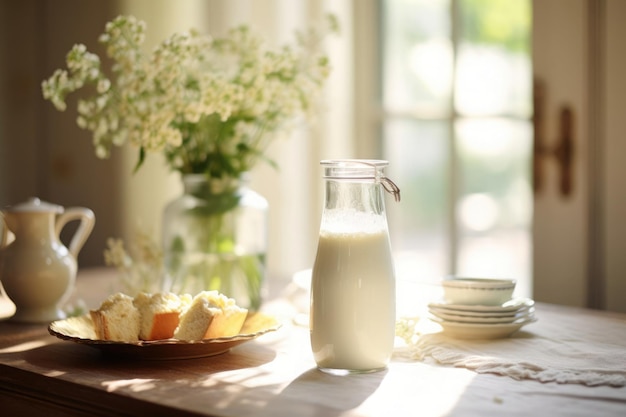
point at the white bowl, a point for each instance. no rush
(477, 291)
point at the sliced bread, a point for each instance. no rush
(116, 319)
(195, 321)
(165, 315)
(229, 318)
(159, 314)
(210, 315)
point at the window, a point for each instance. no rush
(456, 92)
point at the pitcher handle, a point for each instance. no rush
(87, 221)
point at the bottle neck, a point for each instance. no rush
(359, 196)
(360, 171)
(354, 202)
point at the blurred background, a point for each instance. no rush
(464, 98)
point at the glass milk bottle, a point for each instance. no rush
(353, 280)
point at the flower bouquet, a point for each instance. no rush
(212, 106)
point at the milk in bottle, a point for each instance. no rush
(353, 282)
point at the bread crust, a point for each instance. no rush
(163, 325)
(226, 323)
(99, 325)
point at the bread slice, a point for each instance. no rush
(116, 319)
(210, 315)
(195, 321)
(159, 314)
(229, 318)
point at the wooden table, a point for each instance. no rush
(274, 375)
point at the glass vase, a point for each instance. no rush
(215, 238)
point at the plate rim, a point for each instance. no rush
(458, 318)
(482, 330)
(480, 314)
(510, 306)
(525, 320)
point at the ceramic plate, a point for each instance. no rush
(482, 331)
(481, 314)
(477, 319)
(510, 306)
(80, 330)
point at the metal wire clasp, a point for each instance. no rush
(390, 187)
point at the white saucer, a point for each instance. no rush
(446, 315)
(480, 314)
(482, 331)
(513, 305)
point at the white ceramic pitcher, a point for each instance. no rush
(36, 270)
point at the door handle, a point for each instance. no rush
(562, 152)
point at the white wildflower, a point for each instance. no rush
(191, 93)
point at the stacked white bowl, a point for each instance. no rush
(481, 308)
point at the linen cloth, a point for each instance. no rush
(567, 349)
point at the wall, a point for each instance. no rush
(42, 153)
